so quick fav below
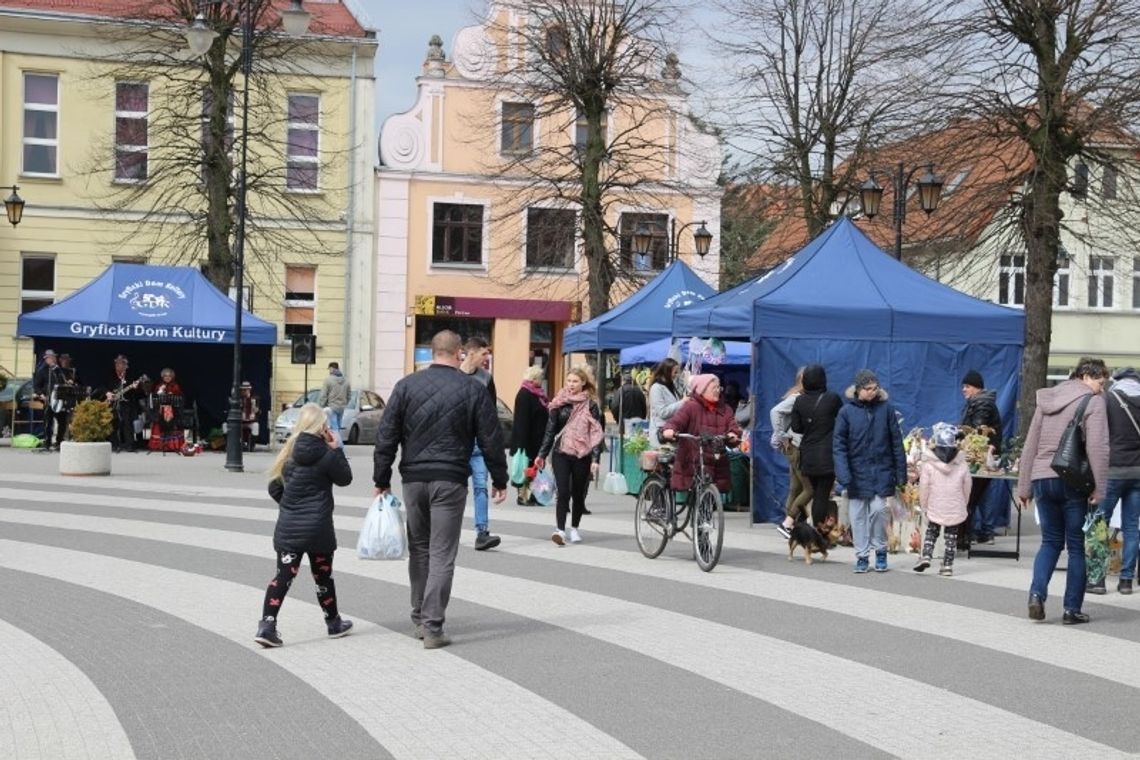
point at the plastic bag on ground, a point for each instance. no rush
(383, 535)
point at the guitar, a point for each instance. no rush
(117, 395)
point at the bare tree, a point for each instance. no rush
(615, 129)
(185, 190)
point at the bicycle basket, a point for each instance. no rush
(648, 460)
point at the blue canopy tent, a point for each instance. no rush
(645, 316)
(736, 352)
(159, 317)
(844, 303)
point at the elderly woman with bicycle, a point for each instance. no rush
(703, 413)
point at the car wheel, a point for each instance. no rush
(354, 435)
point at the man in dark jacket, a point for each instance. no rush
(869, 464)
(436, 416)
(980, 411)
(627, 402)
(46, 377)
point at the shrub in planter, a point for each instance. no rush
(91, 422)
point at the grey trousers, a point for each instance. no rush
(435, 519)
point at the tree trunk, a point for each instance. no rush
(601, 268)
(217, 171)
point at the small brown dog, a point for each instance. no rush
(830, 527)
(810, 539)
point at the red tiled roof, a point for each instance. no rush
(330, 17)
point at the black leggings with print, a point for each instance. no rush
(288, 563)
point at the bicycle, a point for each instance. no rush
(659, 515)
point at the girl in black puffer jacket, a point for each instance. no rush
(309, 464)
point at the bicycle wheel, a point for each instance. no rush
(708, 527)
(651, 516)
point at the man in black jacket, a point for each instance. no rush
(980, 411)
(44, 380)
(436, 416)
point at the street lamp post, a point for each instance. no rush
(200, 37)
(14, 206)
(929, 194)
(643, 239)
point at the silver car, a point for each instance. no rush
(359, 423)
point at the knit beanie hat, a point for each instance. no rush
(699, 383)
(974, 379)
(865, 377)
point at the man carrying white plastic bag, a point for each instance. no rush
(383, 535)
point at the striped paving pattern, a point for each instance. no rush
(127, 621)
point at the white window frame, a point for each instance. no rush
(46, 108)
(1098, 275)
(1064, 272)
(485, 241)
(38, 295)
(500, 106)
(1136, 282)
(575, 243)
(649, 271)
(313, 161)
(294, 303)
(1012, 270)
(145, 117)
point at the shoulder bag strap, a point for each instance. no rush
(1127, 411)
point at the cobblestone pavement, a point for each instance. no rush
(130, 603)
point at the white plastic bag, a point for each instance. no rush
(383, 535)
(615, 483)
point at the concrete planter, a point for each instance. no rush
(85, 458)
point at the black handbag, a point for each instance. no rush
(1071, 461)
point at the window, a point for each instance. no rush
(457, 234)
(1080, 187)
(550, 237)
(1108, 183)
(518, 128)
(1061, 281)
(302, 159)
(1011, 280)
(207, 141)
(41, 124)
(300, 299)
(1100, 282)
(658, 255)
(557, 42)
(1136, 282)
(954, 183)
(131, 104)
(37, 282)
(582, 131)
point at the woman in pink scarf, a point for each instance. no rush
(575, 432)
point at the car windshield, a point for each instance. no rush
(312, 395)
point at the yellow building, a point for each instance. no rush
(85, 143)
(468, 238)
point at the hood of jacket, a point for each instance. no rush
(1054, 400)
(336, 377)
(880, 396)
(944, 456)
(1129, 389)
(309, 449)
(815, 378)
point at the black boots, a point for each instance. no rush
(267, 634)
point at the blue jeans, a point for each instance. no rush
(335, 417)
(479, 489)
(1062, 511)
(1128, 492)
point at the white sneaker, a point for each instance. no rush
(575, 538)
(558, 537)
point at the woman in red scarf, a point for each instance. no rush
(529, 425)
(166, 431)
(576, 426)
(703, 413)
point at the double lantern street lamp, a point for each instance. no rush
(929, 194)
(14, 206)
(644, 234)
(200, 37)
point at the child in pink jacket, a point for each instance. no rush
(943, 490)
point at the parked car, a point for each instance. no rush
(17, 393)
(359, 423)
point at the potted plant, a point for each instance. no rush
(89, 451)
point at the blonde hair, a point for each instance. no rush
(798, 386)
(312, 419)
(533, 373)
(583, 373)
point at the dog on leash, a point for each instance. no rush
(830, 528)
(812, 541)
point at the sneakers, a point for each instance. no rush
(558, 537)
(862, 565)
(485, 540)
(575, 536)
(1096, 588)
(783, 530)
(946, 570)
(267, 634)
(1074, 617)
(339, 627)
(1125, 586)
(987, 538)
(922, 564)
(436, 640)
(1036, 607)
(881, 562)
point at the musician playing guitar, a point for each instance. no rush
(123, 395)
